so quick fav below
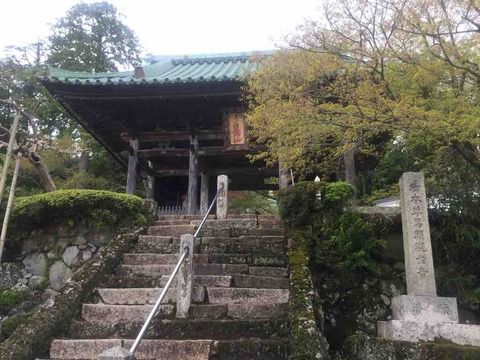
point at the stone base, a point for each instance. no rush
(429, 309)
(361, 347)
(414, 331)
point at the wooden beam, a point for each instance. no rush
(167, 135)
(193, 176)
(230, 171)
(204, 151)
(132, 167)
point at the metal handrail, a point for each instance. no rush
(208, 212)
(170, 279)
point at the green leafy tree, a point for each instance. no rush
(93, 37)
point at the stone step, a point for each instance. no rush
(199, 269)
(148, 349)
(239, 311)
(264, 223)
(274, 231)
(171, 222)
(257, 311)
(268, 271)
(242, 216)
(159, 259)
(143, 296)
(247, 296)
(250, 349)
(268, 217)
(146, 270)
(227, 223)
(249, 259)
(171, 230)
(241, 248)
(251, 240)
(158, 244)
(260, 282)
(123, 281)
(183, 329)
(111, 314)
(205, 280)
(183, 217)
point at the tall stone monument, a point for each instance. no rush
(421, 315)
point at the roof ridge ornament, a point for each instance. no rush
(139, 73)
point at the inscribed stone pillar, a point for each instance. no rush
(204, 201)
(222, 199)
(193, 176)
(132, 167)
(282, 178)
(185, 278)
(349, 162)
(421, 315)
(416, 236)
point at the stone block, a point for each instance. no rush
(257, 311)
(260, 282)
(143, 296)
(430, 309)
(70, 255)
(416, 331)
(58, 275)
(209, 311)
(247, 296)
(268, 271)
(36, 263)
(116, 353)
(111, 314)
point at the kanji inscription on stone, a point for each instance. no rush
(416, 236)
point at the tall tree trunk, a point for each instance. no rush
(84, 157)
(42, 171)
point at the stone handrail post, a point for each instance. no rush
(222, 200)
(185, 278)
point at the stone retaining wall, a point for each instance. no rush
(34, 336)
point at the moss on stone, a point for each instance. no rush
(360, 347)
(9, 325)
(306, 341)
(10, 298)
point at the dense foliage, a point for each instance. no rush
(103, 208)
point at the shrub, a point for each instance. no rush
(103, 208)
(298, 204)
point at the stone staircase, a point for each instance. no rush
(239, 300)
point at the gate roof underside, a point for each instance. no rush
(160, 104)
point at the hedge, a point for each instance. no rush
(104, 208)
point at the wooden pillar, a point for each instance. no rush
(204, 200)
(193, 176)
(132, 167)
(282, 177)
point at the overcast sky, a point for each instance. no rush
(167, 27)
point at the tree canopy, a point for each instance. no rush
(373, 76)
(93, 37)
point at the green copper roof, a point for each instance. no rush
(170, 70)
